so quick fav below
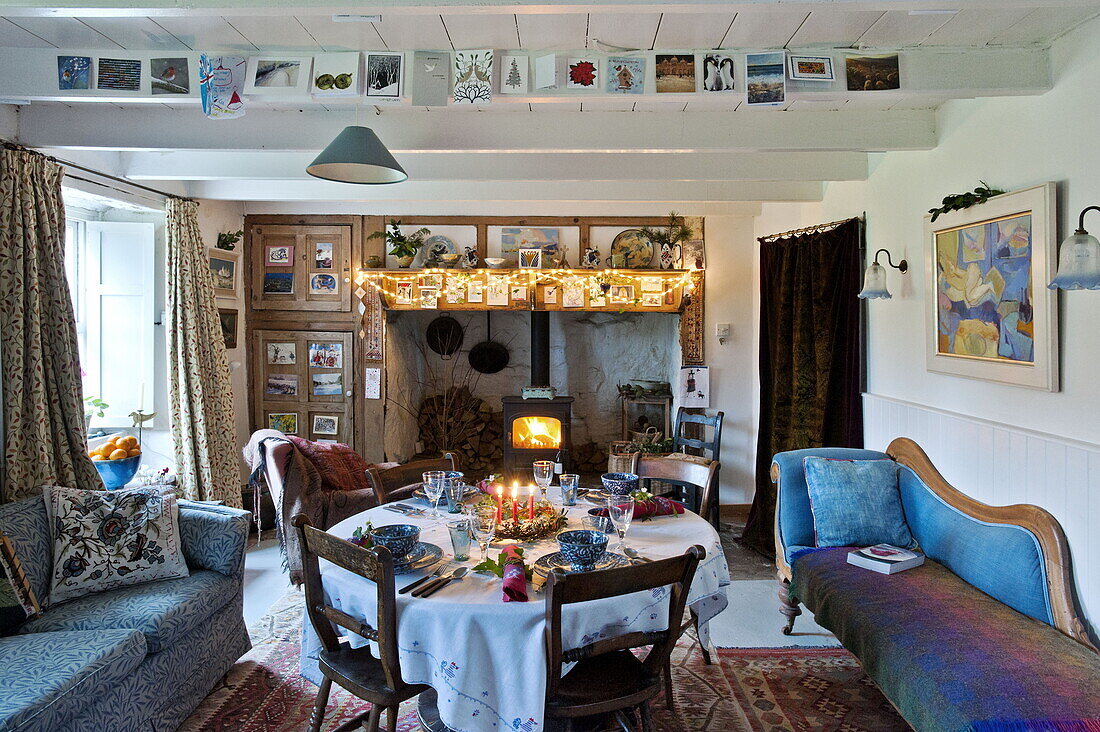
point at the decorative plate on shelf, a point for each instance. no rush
(437, 245)
(635, 248)
(549, 562)
(422, 555)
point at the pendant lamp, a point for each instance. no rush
(357, 156)
(1078, 260)
(874, 279)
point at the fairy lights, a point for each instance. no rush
(455, 282)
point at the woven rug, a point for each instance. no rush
(757, 689)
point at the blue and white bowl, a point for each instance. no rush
(582, 548)
(398, 538)
(117, 473)
(620, 484)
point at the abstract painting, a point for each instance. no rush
(285, 422)
(512, 239)
(280, 256)
(991, 308)
(984, 290)
(675, 73)
(324, 424)
(74, 72)
(169, 76)
(811, 68)
(625, 75)
(473, 77)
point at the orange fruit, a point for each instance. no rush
(127, 443)
(97, 456)
(118, 455)
(135, 452)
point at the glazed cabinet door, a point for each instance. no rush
(300, 268)
(302, 383)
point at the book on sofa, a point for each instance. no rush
(885, 558)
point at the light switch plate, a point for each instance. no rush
(722, 330)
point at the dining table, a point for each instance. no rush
(486, 658)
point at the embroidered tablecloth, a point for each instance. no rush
(486, 658)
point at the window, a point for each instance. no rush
(111, 271)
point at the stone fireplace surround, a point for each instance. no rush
(590, 353)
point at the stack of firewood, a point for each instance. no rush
(478, 444)
(590, 458)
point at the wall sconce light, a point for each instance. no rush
(874, 279)
(1078, 260)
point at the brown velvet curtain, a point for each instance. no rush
(811, 355)
(45, 442)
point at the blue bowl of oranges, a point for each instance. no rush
(117, 460)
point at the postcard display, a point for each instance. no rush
(440, 78)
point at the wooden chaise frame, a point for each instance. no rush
(1045, 528)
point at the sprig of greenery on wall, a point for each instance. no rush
(677, 232)
(960, 201)
(227, 240)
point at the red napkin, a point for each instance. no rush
(515, 583)
(656, 506)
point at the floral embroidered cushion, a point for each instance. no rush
(17, 601)
(108, 539)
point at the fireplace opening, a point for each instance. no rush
(536, 433)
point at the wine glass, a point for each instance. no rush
(483, 525)
(620, 509)
(544, 473)
(435, 481)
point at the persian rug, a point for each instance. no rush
(747, 690)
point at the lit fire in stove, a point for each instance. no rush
(536, 433)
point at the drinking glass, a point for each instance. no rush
(569, 483)
(483, 524)
(459, 529)
(620, 509)
(435, 481)
(456, 489)
(544, 473)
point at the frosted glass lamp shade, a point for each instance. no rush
(874, 283)
(1078, 263)
(357, 156)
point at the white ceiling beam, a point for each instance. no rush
(458, 192)
(154, 8)
(151, 129)
(519, 206)
(481, 166)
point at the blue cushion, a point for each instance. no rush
(49, 677)
(856, 502)
(165, 611)
(1002, 560)
(796, 521)
(25, 523)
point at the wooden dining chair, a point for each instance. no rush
(690, 433)
(399, 482)
(608, 679)
(685, 471)
(378, 680)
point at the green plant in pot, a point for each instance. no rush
(668, 240)
(402, 246)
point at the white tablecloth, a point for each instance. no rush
(486, 658)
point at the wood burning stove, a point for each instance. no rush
(536, 429)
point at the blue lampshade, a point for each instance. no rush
(1078, 263)
(357, 156)
(874, 283)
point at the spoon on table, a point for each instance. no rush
(634, 555)
(427, 590)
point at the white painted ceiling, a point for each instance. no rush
(768, 26)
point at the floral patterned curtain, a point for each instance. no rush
(45, 442)
(198, 372)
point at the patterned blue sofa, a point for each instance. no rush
(984, 636)
(136, 658)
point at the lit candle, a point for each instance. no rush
(530, 503)
(500, 502)
(515, 514)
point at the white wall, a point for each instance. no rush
(1010, 143)
(216, 217)
(9, 121)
